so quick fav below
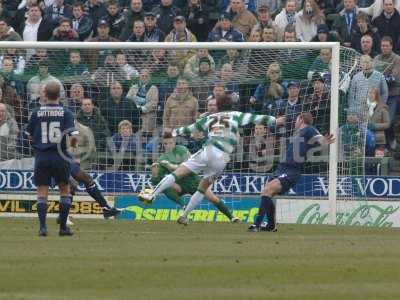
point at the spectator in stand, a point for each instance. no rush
(322, 64)
(377, 7)
(225, 31)
(64, 32)
(12, 76)
(319, 105)
(85, 151)
(307, 21)
(35, 28)
(157, 64)
(233, 58)
(263, 17)
(363, 81)
(378, 119)
(346, 23)
(22, 13)
(249, 5)
(285, 17)
(269, 34)
(181, 108)
(197, 19)
(137, 34)
(115, 18)
(144, 95)
(43, 76)
(367, 46)
(122, 62)
(165, 13)
(388, 23)
(134, 13)
(290, 107)
(32, 64)
(255, 36)
(203, 82)
(166, 88)
(125, 140)
(58, 10)
(116, 108)
(81, 22)
(8, 134)
(261, 150)
(109, 73)
(228, 79)
(243, 19)
(90, 116)
(13, 101)
(364, 27)
(96, 11)
(192, 65)
(76, 95)
(18, 58)
(152, 32)
(7, 33)
(389, 64)
(75, 67)
(266, 94)
(324, 35)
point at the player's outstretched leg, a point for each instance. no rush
(41, 206)
(267, 207)
(220, 205)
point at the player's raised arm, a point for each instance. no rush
(199, 125)
(244, 119)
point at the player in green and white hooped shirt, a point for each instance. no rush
(168, 162)
(221, 130)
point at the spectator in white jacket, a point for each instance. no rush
(284, 18)
(307, 21)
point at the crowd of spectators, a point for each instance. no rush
(127, 97)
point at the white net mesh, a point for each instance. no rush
(123, 99)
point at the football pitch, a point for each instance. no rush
(162, 260)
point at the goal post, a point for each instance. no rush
(266, 50)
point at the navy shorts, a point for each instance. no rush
(51, 166)
(288, 176)
(75, 168)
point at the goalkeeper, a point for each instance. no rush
(167, 163)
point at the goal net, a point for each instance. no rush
(125, 95)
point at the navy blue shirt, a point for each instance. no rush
(49, 125)
(299, 145)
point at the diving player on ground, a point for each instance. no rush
(168, 162)
(304, 142)
(47, 128)
(221, 130)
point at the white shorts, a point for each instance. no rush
(209, 162)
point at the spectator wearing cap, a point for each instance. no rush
(267, 94)
(225, 31)
(197, 19)
(203, 81)
(165, 13)
(96, 10)
(322, 63)
(192, 66)
(64, 32)
(285, 17)
(134, 13)
(115, 18)
(388, 63)
(307, 21)
(346, 22)
(7, 33)
(319, 105)
(81, 22)
(324, 34)
(152, 32)
(42, 78)
(56, 11)
(388, 22)
(263, 17)
(364, 27)
(290, 107)
(35, 28)
(243, 19)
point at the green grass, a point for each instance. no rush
(139, 260)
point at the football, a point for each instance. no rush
(144, 196)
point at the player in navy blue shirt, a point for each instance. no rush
(48, 127)
(305, 141)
